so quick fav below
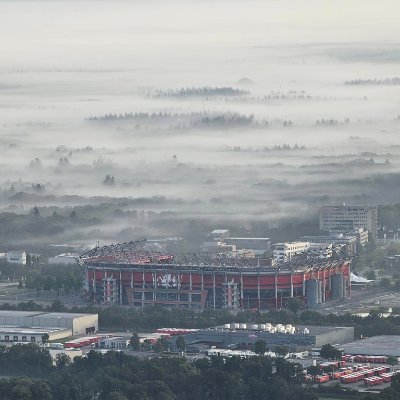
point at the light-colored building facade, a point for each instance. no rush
(34, 335)
(218, 247)
(77, 324)
(285, 251)
(16, 257)
(260, 245)
(349, 241)
(362, 236)
(119, 342)
(220, 241)
(71, 353)
(346, 218)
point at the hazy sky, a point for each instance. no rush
(180, 34)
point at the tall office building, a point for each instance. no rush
(345, 218)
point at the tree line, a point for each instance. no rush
(204, 91)
(182, 120)
(157, 317)
(32, 375)
(41, 277)
(116, 375)
(372, 82)
(153, 317)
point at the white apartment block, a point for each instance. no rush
(285, 251)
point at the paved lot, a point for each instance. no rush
(360, 386)
(363, 301)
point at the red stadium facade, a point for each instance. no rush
(130, 273)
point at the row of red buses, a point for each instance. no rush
(360, 375)
(368, 359)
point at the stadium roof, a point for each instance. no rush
(142, 253)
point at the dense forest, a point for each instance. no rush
(205, 91)
(181, 121)
(42, 224)
(32, 375)
(34, 222)
(374, 81)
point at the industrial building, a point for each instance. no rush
(132, 273)
(26, 323)
(384, 345)
(34, 335)
(345, 218)
(297, 338)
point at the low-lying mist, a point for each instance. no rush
(131, 122)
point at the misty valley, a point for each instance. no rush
(206, 155)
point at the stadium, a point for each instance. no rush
(134, 273)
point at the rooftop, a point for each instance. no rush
(70, 255)
(141, 253)
(218, 231)
(384, 345)
(41, 314)
(313, 329)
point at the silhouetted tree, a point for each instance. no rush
(134, 342)
(260, 347)
(180, 343)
